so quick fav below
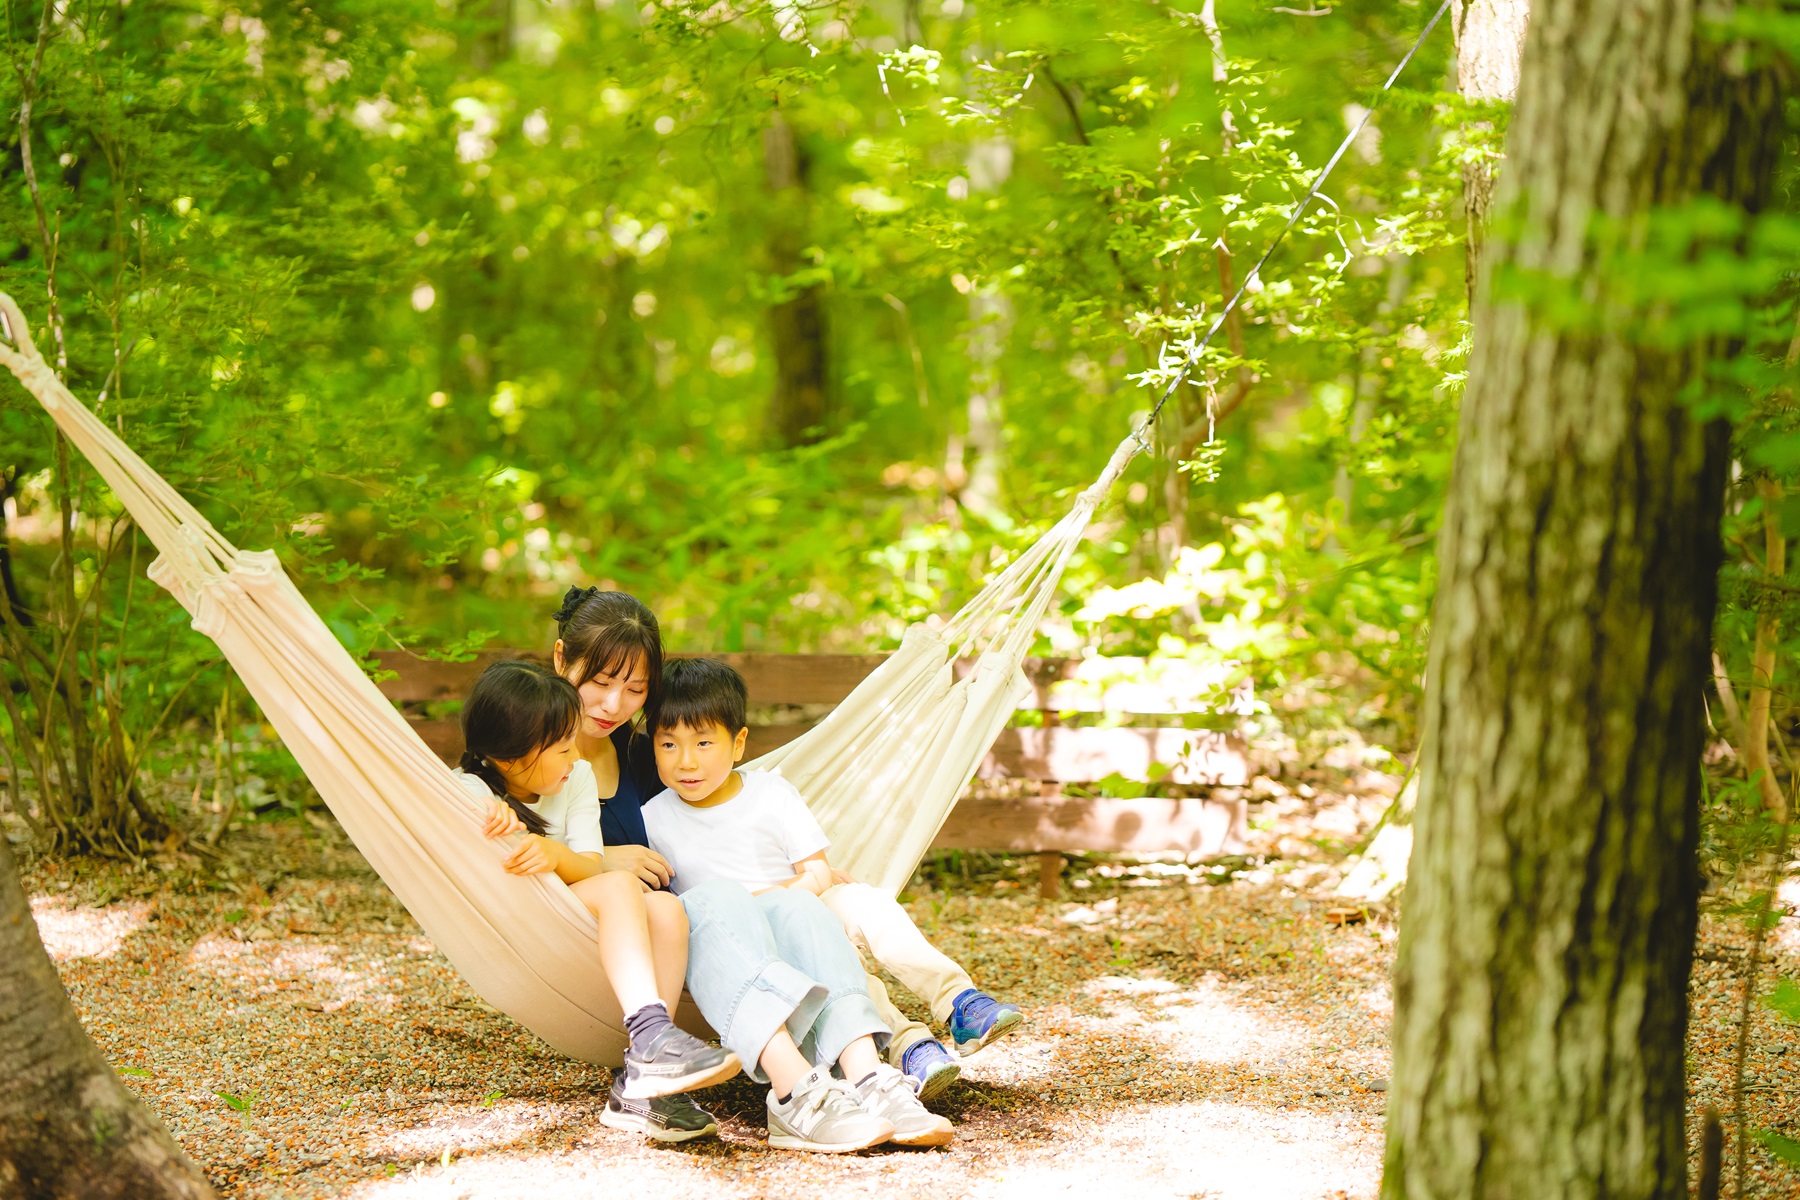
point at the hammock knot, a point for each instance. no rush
(39, 380)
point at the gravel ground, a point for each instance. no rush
(1196, 1033)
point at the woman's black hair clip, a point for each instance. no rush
(573, 599)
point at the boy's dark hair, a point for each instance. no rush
(698, 692)
(515, 710)
(605, 633)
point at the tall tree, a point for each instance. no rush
(68, 1127)
(797, 320)
(1542, 983)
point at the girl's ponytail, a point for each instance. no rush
(516, 710)
(488, 773)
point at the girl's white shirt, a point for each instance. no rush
(572, 813)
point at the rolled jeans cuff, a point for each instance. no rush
(844, 1018)
(777, 997)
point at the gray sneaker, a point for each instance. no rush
(889, 1095)
(823, 1115)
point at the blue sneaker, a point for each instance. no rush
(977, 1019)
(930, 1067)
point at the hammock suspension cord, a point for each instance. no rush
(1193, 358)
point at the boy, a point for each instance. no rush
(753, 828)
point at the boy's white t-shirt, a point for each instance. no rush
(754, 838)
(572, 813)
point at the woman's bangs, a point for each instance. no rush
(617, 651)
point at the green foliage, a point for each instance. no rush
(1784, 1148)
(1785, 999)
(452, 327)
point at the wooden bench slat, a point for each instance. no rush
(771, 678)
(1192, 825)
(1055, 755)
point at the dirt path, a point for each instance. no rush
(1186, 1038)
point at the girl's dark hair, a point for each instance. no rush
(515, 710)
(698, 692)
(605, 633)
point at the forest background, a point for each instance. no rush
(794, 320)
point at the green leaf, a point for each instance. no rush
(1785, 999)
(137, 1072)
(1784, 1148)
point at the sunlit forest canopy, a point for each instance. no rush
(796, 319)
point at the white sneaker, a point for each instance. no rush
(888, 1094)
(824, 1115)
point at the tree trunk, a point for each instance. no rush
(1541, 989)
(1489, 36)
(491, 42)
(1762, 658)
(68, 1127)
(9, 586)
(990, 325)
(797, 323)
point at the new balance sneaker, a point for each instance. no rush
(661, 1119)
(674, 1061)
(930, 1067)
(977, 1020)
(889, 1095)
(823, 1115)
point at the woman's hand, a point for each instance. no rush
(651, 868)
(839, 878)
(533, 856)
(501, 820)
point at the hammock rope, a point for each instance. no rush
(1192, 359)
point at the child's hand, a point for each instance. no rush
(840, 877)
(533, 856)
(501, 820)
(814, 877)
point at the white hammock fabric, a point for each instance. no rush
(881, 772)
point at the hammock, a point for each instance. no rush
(881, 772)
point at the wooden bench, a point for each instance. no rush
(1051, 755)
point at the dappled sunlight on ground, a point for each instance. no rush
(1785, 937)
(70, 932)
(1218, 1151)
(1204, 1024)
(317, 974)
(466, 1128)
(302, 1039)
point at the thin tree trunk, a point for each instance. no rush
(990, 321)
(1489, 36)
(1762, 659)
(796, 324)
(492, 41)
(1541, 989)
(68, 1127)
(9, 586)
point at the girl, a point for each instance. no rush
(519, 724)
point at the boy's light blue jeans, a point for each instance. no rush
(759, 963)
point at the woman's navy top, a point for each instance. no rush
(622, 813)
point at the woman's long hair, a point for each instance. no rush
(607, 633)
(517, 709)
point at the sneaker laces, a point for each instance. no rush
(923, 1053)
(818, 1098)
(893, 1081)
(978, 1008)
